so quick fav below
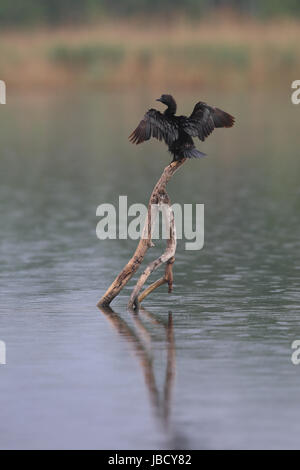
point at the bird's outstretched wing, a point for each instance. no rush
(155, 124)
(204, 119)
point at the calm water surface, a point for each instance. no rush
(208, 366)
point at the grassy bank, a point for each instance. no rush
(226, 54)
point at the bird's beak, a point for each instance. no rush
(159, 99)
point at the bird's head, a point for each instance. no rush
(169, 101)
(166, 99)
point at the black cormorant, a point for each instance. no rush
(177, 131)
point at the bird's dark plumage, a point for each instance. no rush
(177, 131)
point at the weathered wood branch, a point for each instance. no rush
(167, 278)
(159, 196)
(165, 257)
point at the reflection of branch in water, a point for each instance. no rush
(126, 332)
(140, 344)
(142, 332)
(171, 360)
(170, 370)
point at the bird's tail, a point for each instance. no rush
(193, 153)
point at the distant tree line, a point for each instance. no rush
(22, 12)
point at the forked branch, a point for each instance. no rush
(158, 197)
(164, 258)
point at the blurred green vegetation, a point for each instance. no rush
(86, 54)
(27, 12)
(100, 44)
(217, 54)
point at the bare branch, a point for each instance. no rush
(167, 278)
(158, 196)
(166, 256)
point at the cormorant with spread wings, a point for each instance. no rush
(177, 131)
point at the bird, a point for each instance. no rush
(178, 131)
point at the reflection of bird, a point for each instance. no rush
(177, 131)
